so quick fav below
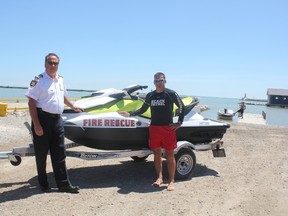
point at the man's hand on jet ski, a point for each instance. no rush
(71, 105)
(124, 114)
(175, 126)
(77, 109)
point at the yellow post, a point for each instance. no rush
(3, 109)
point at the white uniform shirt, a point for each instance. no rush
(48, 93)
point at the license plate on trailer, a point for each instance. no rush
(219, 153)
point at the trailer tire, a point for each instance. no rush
(139, 159)
(185, 163)
(17, 162)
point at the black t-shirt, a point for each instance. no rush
(161, 105)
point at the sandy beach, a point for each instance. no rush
(251, 180)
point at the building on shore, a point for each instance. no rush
(277, 97)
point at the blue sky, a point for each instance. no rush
(221, 48)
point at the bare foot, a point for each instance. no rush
(171, 186)
(158, 182)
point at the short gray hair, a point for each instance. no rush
(51, 54)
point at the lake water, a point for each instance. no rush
(274, 115)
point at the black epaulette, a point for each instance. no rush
(35, 81)
(39, 76)
(60, 76)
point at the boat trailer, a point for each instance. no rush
(184, 154)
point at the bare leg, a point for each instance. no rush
(171, 168)
(158, 166)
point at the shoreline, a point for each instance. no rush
(249, 118)
(211, 105)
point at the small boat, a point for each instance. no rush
(225, 114)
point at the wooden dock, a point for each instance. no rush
(250, 118)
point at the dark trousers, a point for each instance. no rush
(240, 111)
(53, 141)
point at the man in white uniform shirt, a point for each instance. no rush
(47, 96)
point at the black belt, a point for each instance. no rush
(41, 112)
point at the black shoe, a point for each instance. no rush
(69, 189)
(46, 189)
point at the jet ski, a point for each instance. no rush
(100, 126)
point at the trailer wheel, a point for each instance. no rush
(185, 163)
(17, 162)
(139, 159)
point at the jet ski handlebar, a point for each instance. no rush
(134, 88)
(129, 90)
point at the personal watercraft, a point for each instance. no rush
(101, 127)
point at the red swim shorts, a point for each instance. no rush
(162, 136)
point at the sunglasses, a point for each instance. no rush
(52, 63)
(159, 80)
